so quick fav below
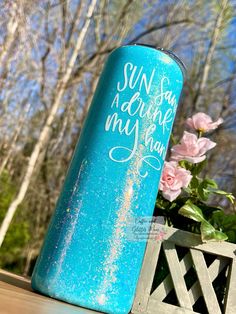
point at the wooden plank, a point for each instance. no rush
(214, 269)
(195, 291)
(230, 298)
(167, 285)
(146, 276)
(192, 240)
(163, 289)
(217, 266)
(177, 275)
(15, 280)
(205, 282)
(157, 307)
(186, 263)
(16, 297)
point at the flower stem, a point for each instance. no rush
(200, 133)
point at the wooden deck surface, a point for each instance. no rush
(17, 297)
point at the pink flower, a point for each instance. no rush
(173, 179)
(191, 148)
(202, 122)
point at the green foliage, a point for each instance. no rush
(227, 223)
(211, 222)
(191, 210)
(12, 257)
(7, 191)
(208, 232)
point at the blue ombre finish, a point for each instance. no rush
(87, 258)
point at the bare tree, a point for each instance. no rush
(210, 53)
(44, 135)
(18, 130)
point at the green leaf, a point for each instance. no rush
(231, 236)
(202, 192)
(210, 183)
(186, 164)
(160, 203)
(194, 183)
(187, 190)
(208, 210)
(198, 167)
(173, 139)
(183, 164)
(227, 223)
(229, 196)
(209, 233)
(173, 205)
(191, 211)
(205, 188)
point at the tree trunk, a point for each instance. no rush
(209, 55)
(20, 125)
(12, 27)
(44, 135)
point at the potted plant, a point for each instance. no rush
(190, 265)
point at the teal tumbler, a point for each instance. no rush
(87, 257)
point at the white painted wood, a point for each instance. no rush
(186, 263)
(205, 282)
(230, 299)
(157, 307)
(146, 276)
(177, 275)
(214, 269)
(225, 254)
(191, 240)
(167, 285)
(163, 289)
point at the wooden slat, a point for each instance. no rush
(230, 298)
(195, 291)
(214, 269)
(163, 289)
(157, 307)
(167, 285)
(205, 282)
(186, 263)
(177, 275)
(217, 266)
(194, 241)
(146, 276)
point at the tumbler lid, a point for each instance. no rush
(170, 53)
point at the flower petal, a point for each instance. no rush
(204, 145)
(171, 195)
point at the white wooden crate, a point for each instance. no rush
(195, 256)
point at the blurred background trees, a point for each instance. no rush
(51, 55)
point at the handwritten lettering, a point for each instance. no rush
(152, 112)
(166, 95)
(154, 145)
(131, 78)
(113, 123)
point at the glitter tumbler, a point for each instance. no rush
(87, 257)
